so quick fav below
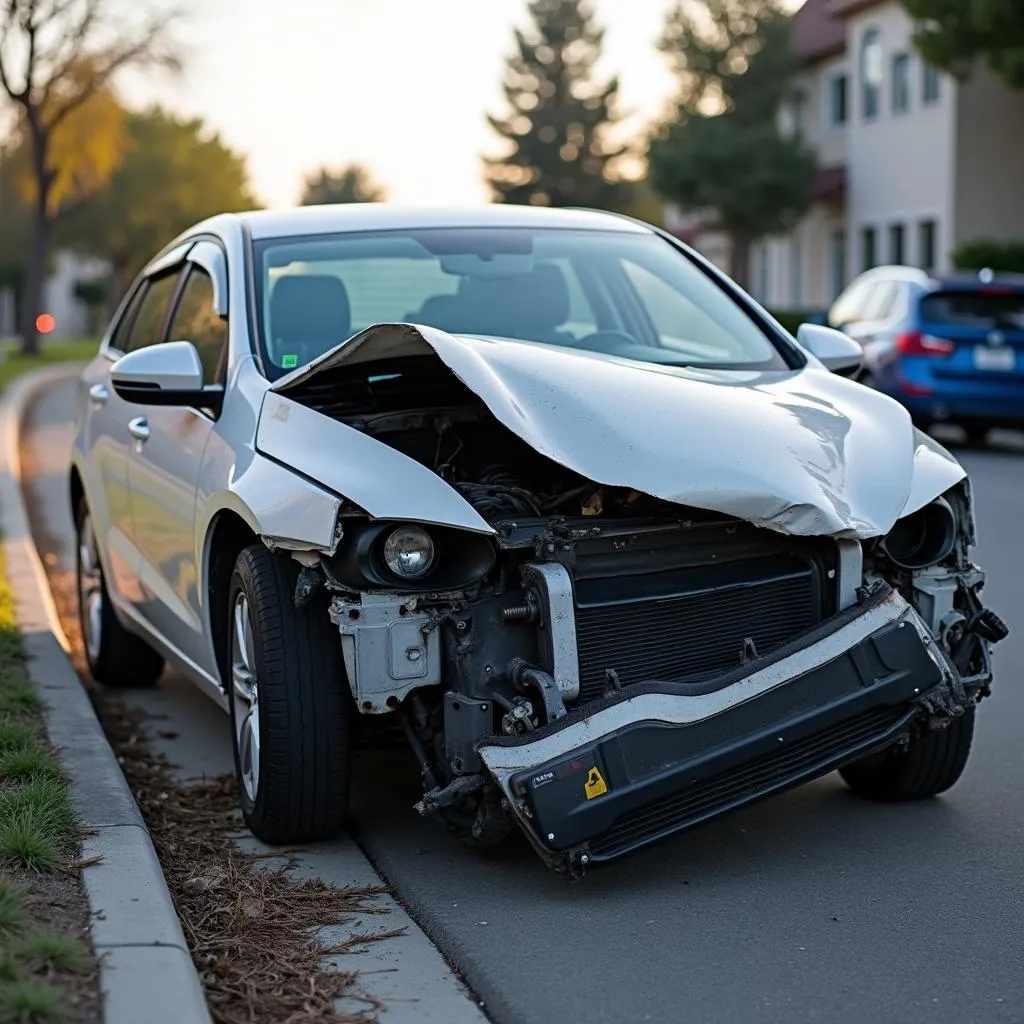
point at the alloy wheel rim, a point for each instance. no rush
(245, 695)
(90, 590)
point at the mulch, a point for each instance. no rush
(249, 929)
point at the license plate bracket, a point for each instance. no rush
(993, 359)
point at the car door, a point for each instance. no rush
(110, 440)
(104, 418)
(164, 471)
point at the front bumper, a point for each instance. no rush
(658, 758)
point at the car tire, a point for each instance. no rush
(291, 710)
(116, 658)
(929, 766)
(977, 434)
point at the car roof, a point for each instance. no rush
(965, 281)
(894, 273)
(343, 217)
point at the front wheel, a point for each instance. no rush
(290, 705)
(929, 766)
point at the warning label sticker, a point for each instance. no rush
(595, 784)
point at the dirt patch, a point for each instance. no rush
(57, 904)
(248, 928)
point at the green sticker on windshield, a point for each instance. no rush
(289, 362)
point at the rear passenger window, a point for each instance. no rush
(119, 335)
(147, 327)
(979, 310)
(195, 319)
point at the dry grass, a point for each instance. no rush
(52, 352)
(47, 973)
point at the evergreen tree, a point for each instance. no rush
(952, 34)
(559, 113)
(351, 184)
(723, 152)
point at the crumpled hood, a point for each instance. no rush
(802, 452)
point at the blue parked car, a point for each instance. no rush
(950, 349)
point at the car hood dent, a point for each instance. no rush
(801, 452)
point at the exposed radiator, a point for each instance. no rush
(691, 623)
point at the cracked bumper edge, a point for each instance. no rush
(659, 762)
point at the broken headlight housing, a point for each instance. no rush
(922, 539)
(410, 557)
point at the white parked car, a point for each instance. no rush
(874, 309)
(542, 491)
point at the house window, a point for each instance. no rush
(836, 104)
(837, 262)
(762, 276)
(868, 248)
(926, 244)
(798, 112)
(929, 85)
(796, 272)
(901, 83)
(871, 74)
(897, 247)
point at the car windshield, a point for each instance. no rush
(625, 294)
(985, 310)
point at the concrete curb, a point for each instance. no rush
(146, 971)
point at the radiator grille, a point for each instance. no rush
(697, 629)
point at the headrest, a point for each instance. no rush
(525, 305)
(309, 310)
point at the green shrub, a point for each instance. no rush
(1004, 257)
(791, 319)
(92, 292)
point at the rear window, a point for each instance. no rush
(1004, 310)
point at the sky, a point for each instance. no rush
(400, 85)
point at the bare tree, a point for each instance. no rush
(56, 55)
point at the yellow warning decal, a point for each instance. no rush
(595, 785)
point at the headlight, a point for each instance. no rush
(924, 538)
(409, 552)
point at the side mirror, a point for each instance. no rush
(834, 350)
(168, 374)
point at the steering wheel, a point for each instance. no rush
(605, 341)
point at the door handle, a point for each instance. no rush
(98, 394)
(139, 428)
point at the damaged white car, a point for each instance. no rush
(541, 492)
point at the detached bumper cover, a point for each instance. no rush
(657, 758)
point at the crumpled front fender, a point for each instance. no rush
(383, 482)
(935, 472)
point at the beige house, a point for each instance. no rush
(912, 162)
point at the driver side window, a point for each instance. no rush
(147, 327)
(849, 307)
(195, 319)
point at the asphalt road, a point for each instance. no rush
(812, 906)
